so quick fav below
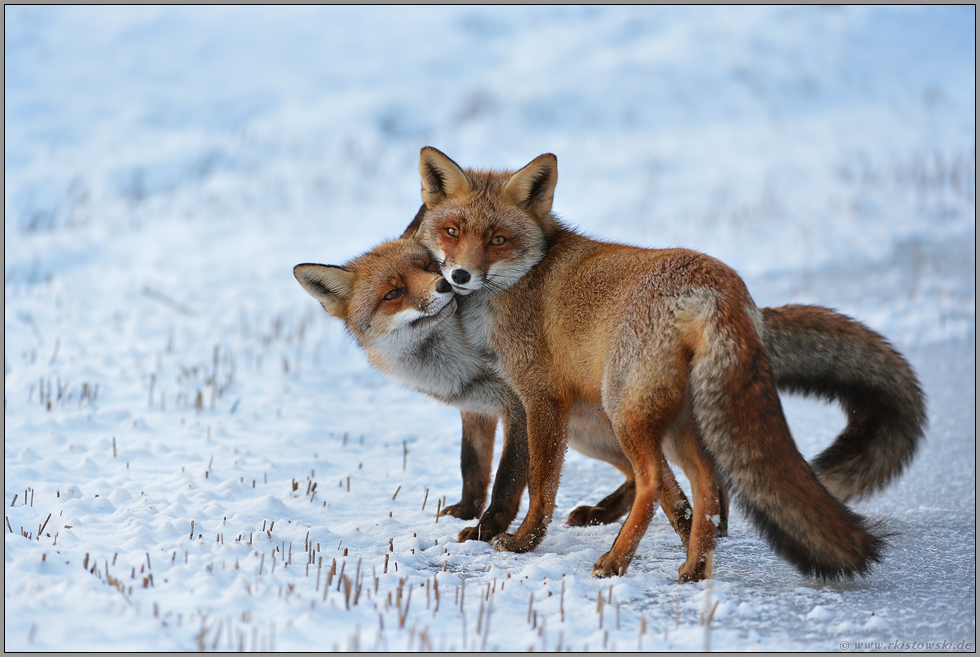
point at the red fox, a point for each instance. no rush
(670, 346)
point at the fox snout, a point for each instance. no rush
(437, 304)
(434, 293)
(462, 280)
(435, 298)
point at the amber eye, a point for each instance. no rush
(453, 232)
(432, 268)
(394, 294)
(497, 240)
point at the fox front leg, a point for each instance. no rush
(476, 463)
(511, 479)
(547, 423)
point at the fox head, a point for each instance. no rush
(485, 228)
(389, 298)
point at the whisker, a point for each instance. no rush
(496, 287)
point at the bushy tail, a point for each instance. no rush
(741, 422)
(818, 352)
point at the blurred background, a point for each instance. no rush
(165, 168)
(773, 138)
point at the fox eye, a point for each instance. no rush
(453, 231)
(497, 240)
(394, 294)
(432, 267)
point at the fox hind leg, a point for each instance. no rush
(710, 516)
(675, 505)
(609, 509)
(724, 506)
(641, 424)
(649, 487)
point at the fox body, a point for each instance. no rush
(669, 344)
(403, 313)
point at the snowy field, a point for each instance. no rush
(197, 457)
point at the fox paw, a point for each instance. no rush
(584, 516)
(477, 533)
(691, 573)
(514, 543)
(609, 566)
(461, 510)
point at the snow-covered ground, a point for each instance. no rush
(172, 396)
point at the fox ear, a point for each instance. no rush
(533, 187)
(414, 226)
(328, 284)
(441, 177)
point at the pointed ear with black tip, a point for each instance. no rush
(441, 177)
(533, 187)
(328, 284)
(414, 226)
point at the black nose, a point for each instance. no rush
(443, 286)
(461, 277)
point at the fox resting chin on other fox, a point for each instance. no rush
(633, 356)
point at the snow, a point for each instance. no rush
(171, 394)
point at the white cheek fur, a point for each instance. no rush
(405, 317)
(506, 273)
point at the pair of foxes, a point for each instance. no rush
(632, 356)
